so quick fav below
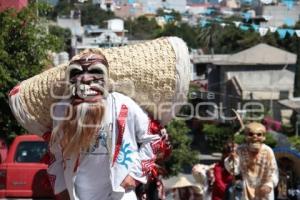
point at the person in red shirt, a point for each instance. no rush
(222, 177)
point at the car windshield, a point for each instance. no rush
(31, 151)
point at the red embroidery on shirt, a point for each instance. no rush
(149, 168)
(121, 128)
(15, 90)
(156, 146)
(161, 147)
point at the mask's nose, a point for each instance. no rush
(85, 78)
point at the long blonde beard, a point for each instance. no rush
(80, 131)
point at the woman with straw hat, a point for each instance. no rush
(103, 144)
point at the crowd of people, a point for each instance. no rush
(245, 172)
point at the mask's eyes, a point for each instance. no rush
(96, 71)
(74, 72)
(257, 134)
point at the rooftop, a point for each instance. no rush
(261, 54)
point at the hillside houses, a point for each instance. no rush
(262, 74)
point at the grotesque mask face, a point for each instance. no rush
(87, 74)
(88, 78)
(255, 136)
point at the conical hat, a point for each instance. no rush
(154, 73)
(182, 181)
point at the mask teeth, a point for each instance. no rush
(82, 87)
(73, 91)
(84, 95)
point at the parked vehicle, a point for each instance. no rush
(22, 174)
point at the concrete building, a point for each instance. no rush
(278, 13)
(94, 37)
(136, 8)
(293, 105)
(262, 74)
(178, 5)
(98, 37)
(198, 9)
(74, 24)
(125, 10)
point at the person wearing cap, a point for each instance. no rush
(256, 163)
(81, 144)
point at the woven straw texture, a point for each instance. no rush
(146, 72)
(37, 94)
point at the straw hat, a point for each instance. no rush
(182, 181)
(154, 73)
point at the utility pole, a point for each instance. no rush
(211, 44)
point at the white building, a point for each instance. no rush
(73, 24)
(92, 36)
(113, 35)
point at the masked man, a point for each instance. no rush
(103, 144)
(256, 162)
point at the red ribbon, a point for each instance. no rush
(154, 127)
(121, 128)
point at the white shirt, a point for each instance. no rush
(92, 181)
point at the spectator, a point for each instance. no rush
(256, 163)
(222, 177)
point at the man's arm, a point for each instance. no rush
(232, 163)
(153, 144)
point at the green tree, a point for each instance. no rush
(142, 28)
(295, 141)
(62, 8)
(182, 30)
(92, 14)
(207, 37)
(294, 46)
(64, 36)
(232, 40)
(217, 135)
(24, 46)
(182, 155)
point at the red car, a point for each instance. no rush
(22, 174)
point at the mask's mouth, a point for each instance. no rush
(254, 146)
(87, 93)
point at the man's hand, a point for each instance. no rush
(263, 191)
(129, 183)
